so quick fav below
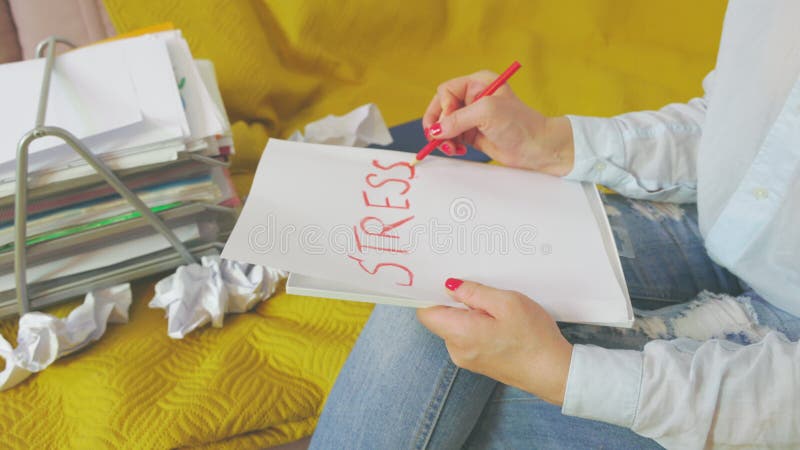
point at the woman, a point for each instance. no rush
(718, 367)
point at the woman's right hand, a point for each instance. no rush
(500, 125)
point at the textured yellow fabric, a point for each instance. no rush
(261, 379)
(282, 64)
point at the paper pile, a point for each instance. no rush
(155, 116)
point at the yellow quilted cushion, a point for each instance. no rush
(261, 380)
(258, 381)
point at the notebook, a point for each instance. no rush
(362, 224)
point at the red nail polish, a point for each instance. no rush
(446, 148)
(427, 132)
(461, 149)
(436, 129)
(453, 283)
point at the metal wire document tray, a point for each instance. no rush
(37, 295)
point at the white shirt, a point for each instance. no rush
(736, 151)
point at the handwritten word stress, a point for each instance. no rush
(386, 208)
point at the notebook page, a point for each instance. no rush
(364, 218)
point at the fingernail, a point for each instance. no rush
(453, 283)
(461, 149)
(427, 133)
(435, 129)
(446, 148)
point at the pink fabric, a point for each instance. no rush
(9, 45)
(80, 21)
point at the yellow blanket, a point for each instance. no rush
(262, 379)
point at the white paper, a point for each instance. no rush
(99, 256)
(78, 169)
(209, 77)
(298, 284)
(197, 294)
(205, 119)
(146, 63)
(43, 338)
(358, 128)
(506, 228)
(91, 92)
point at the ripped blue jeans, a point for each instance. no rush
(399, 389)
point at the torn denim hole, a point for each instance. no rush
(656, 211)
(611, 210)
(709, 316)
(619, 231)
(623, 240)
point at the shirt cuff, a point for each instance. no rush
(603, 384)
(599, 149)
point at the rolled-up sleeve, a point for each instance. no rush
(690, 394)
(647, 154)
(603, 384)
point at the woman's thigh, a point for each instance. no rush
(399, 390)
(516, 419)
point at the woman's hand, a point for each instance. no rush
(504, 335)
(500, 125)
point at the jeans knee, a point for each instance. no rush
(719, 316)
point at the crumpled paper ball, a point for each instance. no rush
(197, 294)
(43, 338)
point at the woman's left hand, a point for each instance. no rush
(504, 335)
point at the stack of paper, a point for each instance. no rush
(134, 101)
(146, 107)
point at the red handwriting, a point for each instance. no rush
(379, 266)
(387, 191)
(384, 227)
(386, 203)
(406, 184)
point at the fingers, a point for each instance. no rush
(432, 112)
(486, 303)
(475, 88)
(450, 98)
(449, 147)
(476, 115)
(495, 302)
(441, 320)
(453, 148)
(432, 115)
(454, 325)
(453, 94)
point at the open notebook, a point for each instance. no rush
(360, 224)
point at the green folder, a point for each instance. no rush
(88, 226)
